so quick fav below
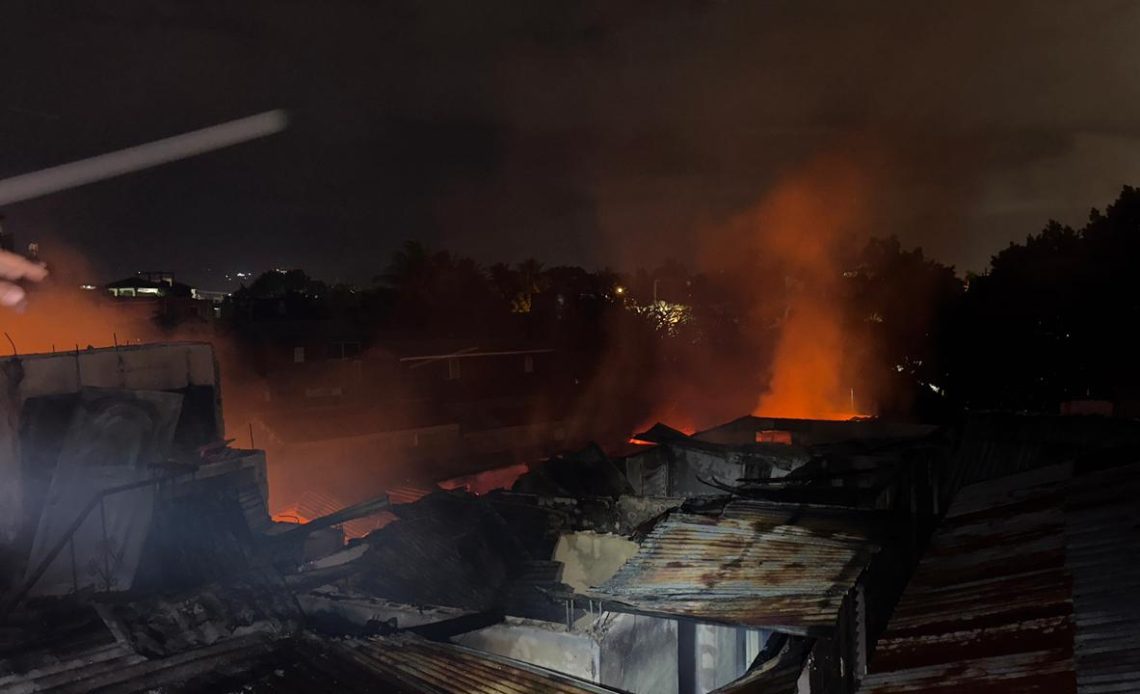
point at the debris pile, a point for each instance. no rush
(762, 555)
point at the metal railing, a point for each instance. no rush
(68, 540)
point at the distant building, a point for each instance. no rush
(149, 284)
(164, 297)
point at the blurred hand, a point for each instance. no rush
(14, 268)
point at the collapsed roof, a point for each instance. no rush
(758, 564)
(798, 535)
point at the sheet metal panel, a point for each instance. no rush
(410, 664)
(989, 608)
(1103, 534)
(775, 566)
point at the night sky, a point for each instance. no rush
(596, 133)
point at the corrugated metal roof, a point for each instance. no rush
(1102, 534)
(407, 494)
(988, 608)
(401, 664)
(165, 674)
(776, 566)
(314, 504)
(1030, 584)
(43, 648)
(412, 664)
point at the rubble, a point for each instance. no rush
(763, 555)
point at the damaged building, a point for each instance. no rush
(764, 555)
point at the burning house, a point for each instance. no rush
(763, 555)
(401, 414)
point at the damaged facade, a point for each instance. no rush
(764, 555)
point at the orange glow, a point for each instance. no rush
(289, 516)
(406, 495)
(807, 374)
(803, 223)
(673, 421)
(352, 529)
(670, 415)
(774, 436)
(61, 316)
(488, 480)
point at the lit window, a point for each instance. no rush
(774, 436)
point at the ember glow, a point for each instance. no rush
(487, 481)
(774, 436)
(61, 317)
(671, 417)
(290, 516)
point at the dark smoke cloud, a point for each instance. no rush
(592, 132)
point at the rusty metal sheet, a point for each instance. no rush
(1030, 584)
(775, 672)
(776, 566)
(411, 664)
(1102, 534)
(989, 607)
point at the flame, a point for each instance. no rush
(803, 223)
(290, 516)
(807, 373)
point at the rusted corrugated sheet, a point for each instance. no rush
(1103, 535)
(776, 673)
(777, 566)
(315, 504)
(988, 609)
(407, 494)
(411, 664)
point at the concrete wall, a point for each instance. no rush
(630, 652)
(638, 654)
(148, 367)
(722, 655)
(633, 653)
(539, 643)
(589, 559)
